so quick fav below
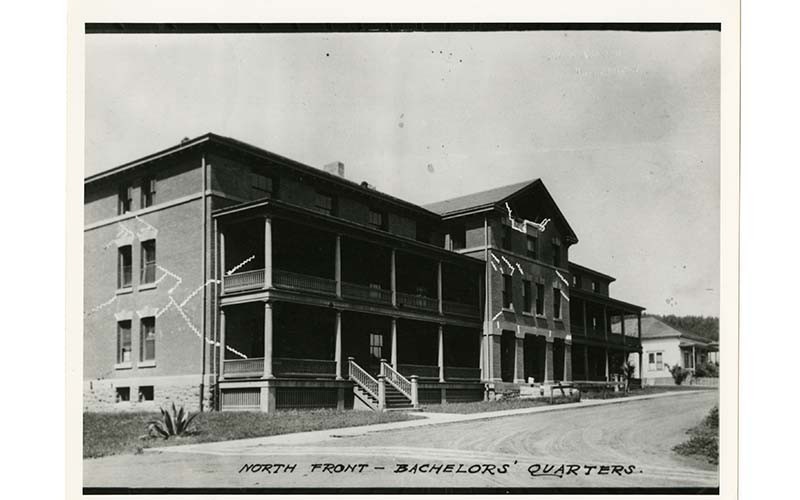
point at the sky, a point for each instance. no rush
(623, 128)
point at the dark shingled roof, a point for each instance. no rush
(479, 199)
(653, 328)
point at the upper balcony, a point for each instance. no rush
(309, 260)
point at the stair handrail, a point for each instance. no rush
(396, 379)
(363, 379)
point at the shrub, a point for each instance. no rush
(174, 423)
(679, 374)
(627, 370)
(704, 440)
(707, 369)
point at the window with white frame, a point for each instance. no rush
(655, 361)
(147, 340)
(148, 264)
(124, 341)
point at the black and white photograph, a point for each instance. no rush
(403, 258)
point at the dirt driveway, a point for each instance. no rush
(619, 445)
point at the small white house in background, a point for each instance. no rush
(663, 346)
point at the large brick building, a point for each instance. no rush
(219, 275)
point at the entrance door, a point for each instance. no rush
(377, 351)
(507, 348)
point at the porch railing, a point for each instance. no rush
(462, 373)
(421, 371)
(451, 307)
(577, 328)
(247, 280)
(304, 367)
(363, 379)
(418, 301)
(354, 291)
(250, 367)
(288, 279)
(394, 377)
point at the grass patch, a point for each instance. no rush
(121, 433)
(484, 406)
(704, 440)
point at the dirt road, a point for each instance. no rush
(619, 445)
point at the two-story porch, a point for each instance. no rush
(303, 292)
(606, 333)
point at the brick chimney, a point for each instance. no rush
(335, 168)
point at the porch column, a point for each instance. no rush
(338, 265)
(222, 343)
(267, 260)
(337, 355)
(586, 362)
(267, 340)
(585, 319)
(694, 358)
(640, 360)
(605, 323)
(605, 355)
(482, 354)
(519, 360)
(441, 353)
(567, 361)
(394, 343)
(222, 258)
(393, 279)
(439, 284)
(548, 361)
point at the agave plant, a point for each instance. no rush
(172, 423)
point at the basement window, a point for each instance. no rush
(146, 393)
(123, 394)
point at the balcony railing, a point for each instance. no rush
(450, 307)
(247, 280)
(361, 292)
(294, 367)
(250, 367)
(287, 367)
(417, 301)
(421, 371)
(462, 373)
(577, 328)
(631, 340)
(288, 279)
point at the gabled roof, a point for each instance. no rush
(654, 328)
(588, 270)
(494, 199)
(475, 200)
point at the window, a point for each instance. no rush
(594, 323)
(146, 393)
(377, 219)
(124, 342)
(507, 299)
(533, 247)
(148, 272)
(540, 299)
(124, 266)
(424, 232)
(125, 199)
(506, 238)
(595, 286)
(148, 192)
(325, 204)
(262, 185)
(123, 394)
(556, 255)
(527, 300)
(147, 339)
(655, 361)
(556, 303)
(376, 346)
(576, 281)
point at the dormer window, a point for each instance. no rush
(377, 219)
(125, 203)
(325, 203)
